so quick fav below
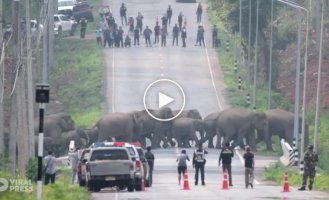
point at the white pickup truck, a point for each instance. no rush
(109, 167)
(64, 23)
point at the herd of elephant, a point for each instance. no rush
(242, 126)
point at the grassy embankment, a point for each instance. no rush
(238, 98)
(62, 189)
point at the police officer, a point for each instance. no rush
(156, 33)
(150, 160)
(199, 161)
(169, 13)
(199, 11)
(180, 20)
(163, 33)
(120, 36)
(147, 35)
(310, 162)
(123, 13)
(139, 22)
(175, 32)
(136, 36)
(184, 36)
(226, 156)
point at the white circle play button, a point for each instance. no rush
(164, 93)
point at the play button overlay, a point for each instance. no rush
(162, 94)
(164, 100)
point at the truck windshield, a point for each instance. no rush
(109, 154)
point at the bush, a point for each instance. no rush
(32, 169)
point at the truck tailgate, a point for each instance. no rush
(109, 167)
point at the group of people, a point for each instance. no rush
(225, 159)
(109, 33)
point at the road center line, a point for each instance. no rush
(242, 162)
(113, 80)
(212, 79)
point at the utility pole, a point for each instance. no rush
(2, 135)
(30, 110)
(318, 89)
(51, 34)
(249, 54)
(256, 58)
(270, 64)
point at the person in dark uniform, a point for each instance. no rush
(131, 23)
(175, 32)
(139, 22)
(180, 20)
(156, 33)
(147, 35)
(249, 166)
(106, 36)
(123, 14)
(169, 13)
(214, 37)
(226, 156)
(150, 160)
(182, 166)
(163, 33)
(310, 161)
(127, 41)
(83, 24)
(199, 162)
(120, 36)
(184, 36)
(164, 20)
(199, 13)
(136, 36)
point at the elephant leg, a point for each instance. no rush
(211, 141)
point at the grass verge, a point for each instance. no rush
(276, 171)
(77, 79)
(62, 189)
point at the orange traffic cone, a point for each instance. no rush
(186, 185)
(286, 187)
(143, 185)
(225, 182)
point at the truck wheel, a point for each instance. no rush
(82, 183)
(130, 187)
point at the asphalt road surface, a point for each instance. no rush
(130, 70)
(166, 186)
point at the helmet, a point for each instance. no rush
(310, 146)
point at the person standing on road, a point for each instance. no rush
(74, 162)
(120, 36)
(163, 36)
(182, 167)
(214, 37)
(136, 36)
(164, 20)
(180, 20)
(199, 162)
(169, 14)
(123, 14)
(83, 24)
(310, 161)
(99, 36)
(150, 160)
(131, 23)
(147, 35)
(156, 33)
(127, 41)
(175, 32)
(249, 164)
(139, 22)
(226, 156)
(184, 36)
(50, 168)
(199, 13)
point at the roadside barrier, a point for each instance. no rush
(286, 187)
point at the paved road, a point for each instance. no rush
(166, 185)
(130, 70)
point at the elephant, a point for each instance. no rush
(281, 123)
(236, 124)
(48, 145)
(184, 129)
(153, 129)
(55, 125)
(193, 114)
(121, 126)
(209, 123)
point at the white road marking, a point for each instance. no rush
(116, 196)
(212, 79)
(242, 162)
(113, 80)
